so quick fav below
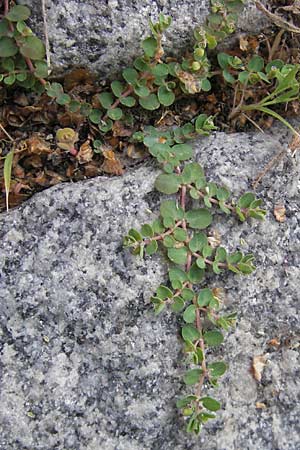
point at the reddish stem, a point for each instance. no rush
(127, 92)
(6, 7)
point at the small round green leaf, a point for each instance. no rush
(187, 294)
(130, 75)
(182, 151)
(150, 102)
(180, 234)
(165, 96)
(149, 46)
(246, 200)
(4, 27)
(140, 64)
(127, 101)
(205, 85)
(106, 99)
(41, 69)
(178, 255)
(18, 12)
(141, 91)
(192, 172)
(115, 114)
(118, 88)
(192, 376)
(213, 338)
(217, 369)
(147, 230)
(170, 208)
(189, 315)
(205, 296)
(63, 99)
(160, 70)
(177, 275)
(195, 274)
(164, 292)
(199, 218)
(169, 241)
(151, 248)
(95, 116)
(198, 241)
(167, 183)
(223, 194)
(8, 64)
(8, 47)
(256, 64)
(10, 79)
(190, 333)
(32, 48)
(178, 304)
(210, 403)
(183, 402)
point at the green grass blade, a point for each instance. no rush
(274, 114)
(7, 174)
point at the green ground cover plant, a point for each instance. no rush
(180, 232)
(156, 81)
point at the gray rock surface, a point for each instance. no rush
(84, 363)
(105, 35)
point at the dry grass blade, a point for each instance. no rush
(278, 20)
(7, 174)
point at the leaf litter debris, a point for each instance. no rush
(53, 145)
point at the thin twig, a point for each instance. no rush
(46, 36)
(278, 20)
(6, 133)
(268, 167)
(253, 122)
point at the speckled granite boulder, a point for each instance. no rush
(84, 363)
(105, 35)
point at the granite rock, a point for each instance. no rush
(84, 363)
(105, 35)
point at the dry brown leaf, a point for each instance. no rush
(111, 164)
(55, 178)
(70, 171)
(214, 239)
(135, 151)
(294, 145)
(249, 43)
(17, 187)
(244, 43)
(33, 161)
(68, 119)
(37, 145)
(279, 213)
(168, 119)
(86, 153)
(78, 76)
(92, 170)
(259, 405)
(274, 343)
(18, 171)
(120, 130)
(258, 364)
(219, 293)
(191, 82)
(41, 179)
(21, 99)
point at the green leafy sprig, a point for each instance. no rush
(282, 80)
(22, 54)
(180, 232)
